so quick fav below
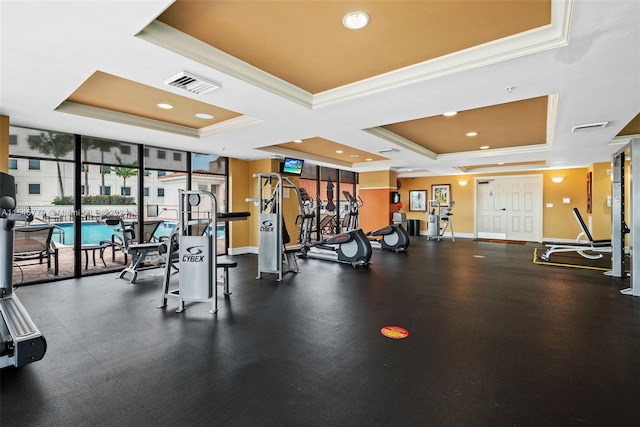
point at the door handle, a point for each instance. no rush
(503, 209)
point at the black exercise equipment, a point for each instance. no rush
(20, 340)
(351, 247)
(392, 237)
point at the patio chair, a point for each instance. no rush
(35, 243)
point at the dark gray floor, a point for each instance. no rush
(494, 341)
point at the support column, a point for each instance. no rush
(375, 190)
(4, 144)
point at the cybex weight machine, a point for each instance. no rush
(273, 256)
(192, 243)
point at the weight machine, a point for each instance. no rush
(20, 340)
(193, 244)
(273, 255)
(625, 174)
(438, 223)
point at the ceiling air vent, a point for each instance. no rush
(191, 83)
(388, 150)
(589, 126)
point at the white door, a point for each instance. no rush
(509, 208)
(491, 209)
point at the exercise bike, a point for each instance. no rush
(350, 247)
(392, 237)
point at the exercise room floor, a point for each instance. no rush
(495, 340)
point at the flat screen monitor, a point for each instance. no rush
(292, 166)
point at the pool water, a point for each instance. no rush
(93, 232)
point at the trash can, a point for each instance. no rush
(414, 227)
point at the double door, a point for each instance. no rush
(509, 208)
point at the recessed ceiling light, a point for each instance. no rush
(297, 141)
(450, 113)
(204, 116)
(354, 155)
(368, 160)
(472, 133)
(355, 20)
(339, 151)
(484, 147)
(165, 106)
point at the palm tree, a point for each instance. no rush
(124, 173)
(104, 146)
(53, 144)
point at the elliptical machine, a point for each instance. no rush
(392, 237)
(20, 340)
(350, 247)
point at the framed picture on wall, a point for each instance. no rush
(418, 200)
(442, 194)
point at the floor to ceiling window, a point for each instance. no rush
(108, 188)
(325, 186)
(70, 181)
(41, 163)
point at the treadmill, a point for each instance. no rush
(20, 340)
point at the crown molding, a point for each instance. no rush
(185, 45)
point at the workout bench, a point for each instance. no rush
(591, 245)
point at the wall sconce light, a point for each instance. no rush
(462, 182)
(557, 179)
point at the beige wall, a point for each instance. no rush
(558, 220)
(375, 191)
(239, 185)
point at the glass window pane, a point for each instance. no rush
(108, 152)
(13, 164)
(309, 171)
(42, 144)
(209, 174)
(164, 159)
(34, 164)
(34, 188)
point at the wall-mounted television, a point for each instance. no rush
(291, 166)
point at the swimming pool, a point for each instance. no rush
(93, 232)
